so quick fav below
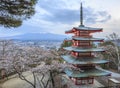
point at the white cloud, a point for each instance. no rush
(108, 28)
(56, 16)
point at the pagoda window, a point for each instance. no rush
(84, 43)
(84, 81)
(79, 81)
(84, 33)
(75, 33)
(78, 33)
(75, 54)
(90, 80)
(74, 44)
(77, 43)
(89, 66)
(85, 54)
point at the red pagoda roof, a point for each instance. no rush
(84, 28)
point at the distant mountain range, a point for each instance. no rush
(37, 36)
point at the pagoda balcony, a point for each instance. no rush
(78, 49)
(82, 46)
(88, 36)
(87, 39)
(84, 67)
(76, 56)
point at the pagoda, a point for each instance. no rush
(83, 54)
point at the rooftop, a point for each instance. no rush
(82, 27)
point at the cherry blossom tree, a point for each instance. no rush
(32, 60)
(25, 60)
(6, 48)
(113, 49)
(51, 71)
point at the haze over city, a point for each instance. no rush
(58, 16)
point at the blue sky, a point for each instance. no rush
(56, 16)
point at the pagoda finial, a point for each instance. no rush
(81, 15)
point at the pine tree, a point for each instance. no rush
(13, 12)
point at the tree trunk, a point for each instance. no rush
(34, 79)
(52, 79)
(118, 68)
(22, 77)
(118, 58)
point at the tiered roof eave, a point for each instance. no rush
(83, 28)
(83, 60)
(93, 72)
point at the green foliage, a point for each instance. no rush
(107, 43)
(13, 12)
(66, 43)
(60, 60)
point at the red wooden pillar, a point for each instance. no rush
(92, 80)
(90, 54)
(76, 83)
(89, 43)
(77, 43)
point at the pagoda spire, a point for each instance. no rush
(81, 15)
